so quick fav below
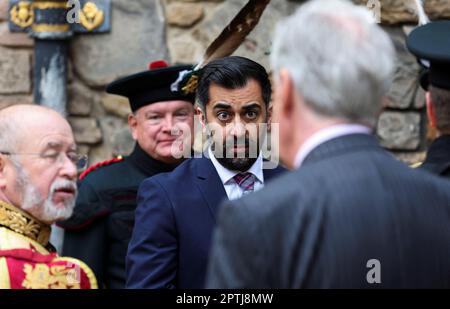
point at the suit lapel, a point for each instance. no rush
(210, 185)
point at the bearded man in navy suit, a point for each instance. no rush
(177, 211)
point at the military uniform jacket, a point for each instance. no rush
(28, 261)
(438, 157)
(100, 229)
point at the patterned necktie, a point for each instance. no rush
(246, 182)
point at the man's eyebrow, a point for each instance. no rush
(222, 105)
(148, 113)
(53, 145)
(251, 106)
(58, 146)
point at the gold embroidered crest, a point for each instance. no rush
(191, 85)
(18, 221)
(41, 276)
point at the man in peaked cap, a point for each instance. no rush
(100, 228)
(431, 45)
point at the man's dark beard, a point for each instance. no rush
(231, 160)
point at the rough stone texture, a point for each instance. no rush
(404, 11)
(99, 153)
(137, 37)
(83, 149)
(437, 9)
(184, 14)
(15, 71)
(14, 39)
(183, 47)
(419, 100)
(183, 50)
(258, 43)
(86, 130)
(116, 105)
(81, 99)
(123, 142)
(8, 100)
(399, 130)
(117, 140)
(4, 6)
(70, 75)
(405, 82)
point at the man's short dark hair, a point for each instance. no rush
(441, 103)
(232, 73)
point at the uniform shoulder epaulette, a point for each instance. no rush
(98, 165)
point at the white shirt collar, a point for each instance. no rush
(226, 175)
(325, 135)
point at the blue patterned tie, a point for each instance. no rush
(246, 182)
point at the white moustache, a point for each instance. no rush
(65, 185)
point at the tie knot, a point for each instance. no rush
(246, 181)
(244, 177)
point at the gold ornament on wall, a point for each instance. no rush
(91, 16)
(22, 14)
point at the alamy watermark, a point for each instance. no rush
(73, 15)
(374, 274)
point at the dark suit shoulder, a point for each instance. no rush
(438, 157)
(179, 176)
(112, 176)
(104, 190)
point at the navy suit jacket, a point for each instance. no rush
(175, 218)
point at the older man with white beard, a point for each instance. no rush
(38, 170)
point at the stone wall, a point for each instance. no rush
(179, 31)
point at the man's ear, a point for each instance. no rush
(269, 117)
(287, 92)
(201, 115)
(132, 124)
(431, 113)
(2, 172)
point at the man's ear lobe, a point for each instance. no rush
(2, 172)
(132, 124)
(431, 113)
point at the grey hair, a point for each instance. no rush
(340, 60)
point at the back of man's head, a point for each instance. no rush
(340, 60)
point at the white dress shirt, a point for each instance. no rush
(226, 176)
(325, 135)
